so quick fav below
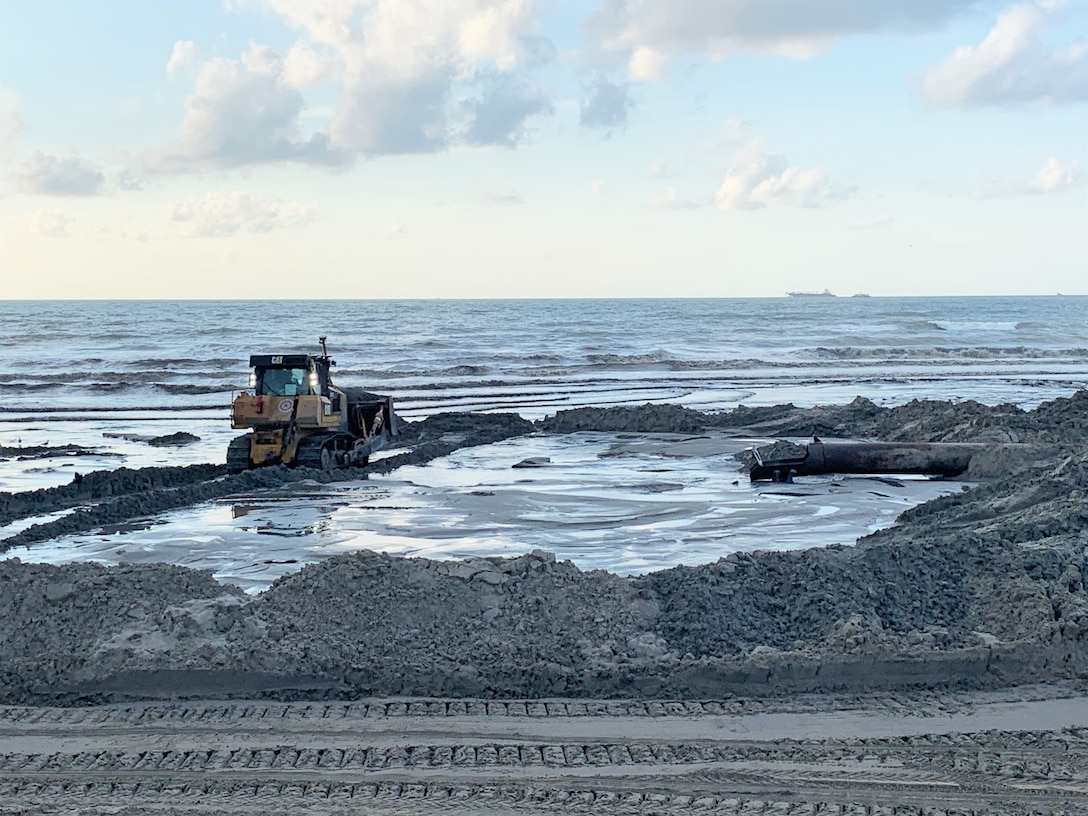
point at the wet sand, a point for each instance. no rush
(944, 754)
(976, 591)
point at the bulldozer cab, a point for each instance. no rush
(289, 375)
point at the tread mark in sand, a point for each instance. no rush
(422, 708)
(437, 796)
(1014, 762)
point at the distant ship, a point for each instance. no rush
(861, 294)
(824, 293)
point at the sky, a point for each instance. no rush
(542, 148)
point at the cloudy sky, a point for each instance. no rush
(525, 148)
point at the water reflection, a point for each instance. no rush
(614, 502)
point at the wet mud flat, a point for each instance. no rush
(983, 587)
(977, 591)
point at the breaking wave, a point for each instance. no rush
(116, 354)
(939, 354)
(624, 360)
(976, 325)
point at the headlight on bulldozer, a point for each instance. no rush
(253, 379)
(314, 382)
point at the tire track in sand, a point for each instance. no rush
(468, 757)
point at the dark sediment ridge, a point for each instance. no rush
(1060, 421)
(979, 589)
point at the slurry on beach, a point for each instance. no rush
(73, 372)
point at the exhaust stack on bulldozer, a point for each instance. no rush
(297, 417)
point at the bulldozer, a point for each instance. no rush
(297, 417)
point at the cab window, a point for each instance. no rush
(284, 382)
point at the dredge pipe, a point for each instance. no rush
(781, 462)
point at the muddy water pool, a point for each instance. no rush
(625, 503)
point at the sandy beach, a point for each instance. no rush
(937, 665)
(478, 407)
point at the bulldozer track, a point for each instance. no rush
(309, 451)
(455, 756)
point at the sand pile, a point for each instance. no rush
(1060, 421)
(60, 623)
(982, 588)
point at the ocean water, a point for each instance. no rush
(536, 357)
(92, 373)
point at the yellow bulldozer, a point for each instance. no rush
(297, 417)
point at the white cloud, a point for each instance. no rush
(499, 116)
(393, 118)
(327, 21)
(490, 31)
(405, 63)
(415, 76)
(243, 113)
(219, 214)
(757, 179)
(1011, 66)
(1057, 175)
(646, 65)
(260, 59)
(50, 222)
(129, 182)
(605, 105)
(184, 55)
(303, 67)
(405, 60)
(42, 174)
(793, 28)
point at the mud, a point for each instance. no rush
(106, 498)
(981, 589)
(1062, 421)
(174, 440)
(49, 451)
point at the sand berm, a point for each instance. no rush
(980, 589)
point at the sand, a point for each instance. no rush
(976, 592)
